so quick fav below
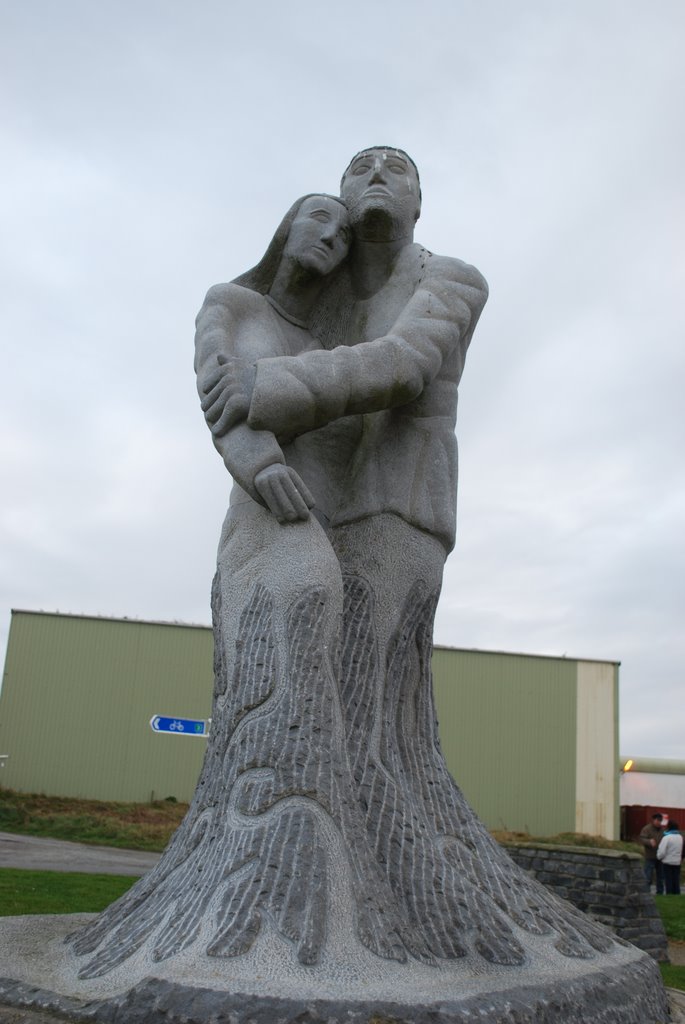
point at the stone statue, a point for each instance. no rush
(327, 850)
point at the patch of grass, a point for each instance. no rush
(58, 892)
(674, 977)
(507, 838)
(672, 910)
(124, 825)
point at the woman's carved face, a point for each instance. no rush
(320, 235)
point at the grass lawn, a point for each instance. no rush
(672, 910)
(128, 826)
(58, 892)
(674, 977)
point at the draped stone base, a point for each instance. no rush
(622, 988)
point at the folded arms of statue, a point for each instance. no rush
(294, 394)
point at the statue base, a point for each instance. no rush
(349, 987)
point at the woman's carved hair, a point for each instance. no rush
(329, 320)
(261, 277)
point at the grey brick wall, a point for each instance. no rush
(607, 884)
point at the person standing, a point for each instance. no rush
(649, 839)
(670, 854)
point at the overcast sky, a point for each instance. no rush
(148, 151)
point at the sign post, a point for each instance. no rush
(180, 726)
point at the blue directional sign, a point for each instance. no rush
(179, 726)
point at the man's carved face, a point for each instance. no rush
(382, 182)
(320, 235)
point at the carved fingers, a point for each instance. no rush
(284, 493)
(227, 390)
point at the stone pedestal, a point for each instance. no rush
(349, 986)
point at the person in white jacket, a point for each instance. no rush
(670, 853)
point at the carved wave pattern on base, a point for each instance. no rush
(319, 769)
(456, 883)
(253, 843)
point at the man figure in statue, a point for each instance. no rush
(395, 331)
(399, 329)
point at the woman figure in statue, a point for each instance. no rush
(273, 832)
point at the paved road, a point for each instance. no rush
(37, 854)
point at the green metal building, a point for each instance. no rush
(532, 740)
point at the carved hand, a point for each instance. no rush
(228, 390)
(284, 493)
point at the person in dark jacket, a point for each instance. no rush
(649, 839)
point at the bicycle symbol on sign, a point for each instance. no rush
(176, 726)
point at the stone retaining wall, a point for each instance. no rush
(607, 884)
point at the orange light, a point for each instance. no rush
(628, 765)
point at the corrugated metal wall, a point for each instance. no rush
(508, 731)
(79, 693)
(77, 699)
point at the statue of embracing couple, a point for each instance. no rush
(325, 814)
